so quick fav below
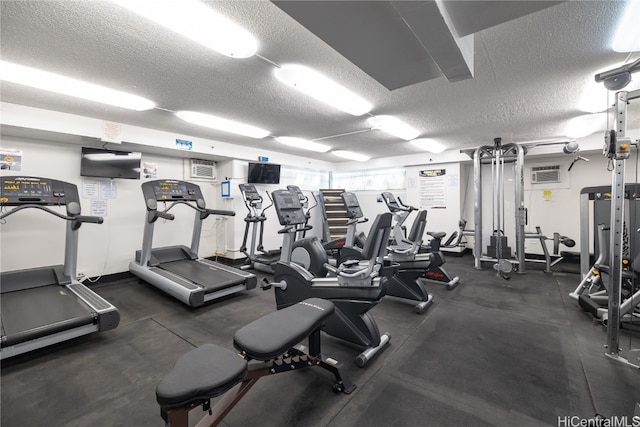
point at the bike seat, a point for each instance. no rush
(436, 234)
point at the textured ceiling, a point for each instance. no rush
(529, 73)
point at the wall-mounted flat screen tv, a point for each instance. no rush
(264, 173)
(101, 163)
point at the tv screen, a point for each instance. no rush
(101, 163)
(264, 173)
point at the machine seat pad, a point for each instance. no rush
(437, 234)
(203, 373)
(414, 265)
(272, 335)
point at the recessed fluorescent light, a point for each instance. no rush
(303, 144)
(582, 126)
(322, 88)
(428, 144)
(14, 73)
(351, 155)
(393, 126)
(627, 36)
(221, 124)
(198, 22)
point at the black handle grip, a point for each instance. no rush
(220, 212)
(89, 219)
(165, 215)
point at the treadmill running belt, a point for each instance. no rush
(36, 312)
(208, 276)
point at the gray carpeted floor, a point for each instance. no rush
(489, 352)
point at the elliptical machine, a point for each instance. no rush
(355, 289)
(431, 252)
(257, 257)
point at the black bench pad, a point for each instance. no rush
(274, 334)
(202, 373)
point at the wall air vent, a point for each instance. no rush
(545, 174)
(203, 169)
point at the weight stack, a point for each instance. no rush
(492, 248)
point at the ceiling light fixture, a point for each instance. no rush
(303, 144)
(322, 88)
(582, 126)
(428, 144)
(594, 98)
(218, 123)
(627, 35)
(351, 155)
(198, 22)
(393, 126)
(27, 76)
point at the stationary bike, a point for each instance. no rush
(405, 283)
(356, 288)
(431, 252)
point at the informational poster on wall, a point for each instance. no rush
(97, 188)
(431, 189)
(10, 159)
(98, 207)
(150, 170)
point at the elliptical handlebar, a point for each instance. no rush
(269, 205)
(403, 206)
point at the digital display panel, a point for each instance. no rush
(170, 190)
(26, 188)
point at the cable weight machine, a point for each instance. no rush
(498, 155)
(498, 252)
(617, 148)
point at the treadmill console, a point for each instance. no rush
(20, 190)
(353, 206)
(171, 190)
(288, 207)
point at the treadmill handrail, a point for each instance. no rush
(199, 209)
(78, 218)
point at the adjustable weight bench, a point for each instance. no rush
(211, 371)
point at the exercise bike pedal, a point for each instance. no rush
(264, 284)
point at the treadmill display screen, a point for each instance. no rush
(25, 187)
(171, 190)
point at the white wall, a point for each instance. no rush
(444, 219)
(33, 238)
(555, 207)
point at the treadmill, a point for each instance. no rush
(47, 305)
(177, 270)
